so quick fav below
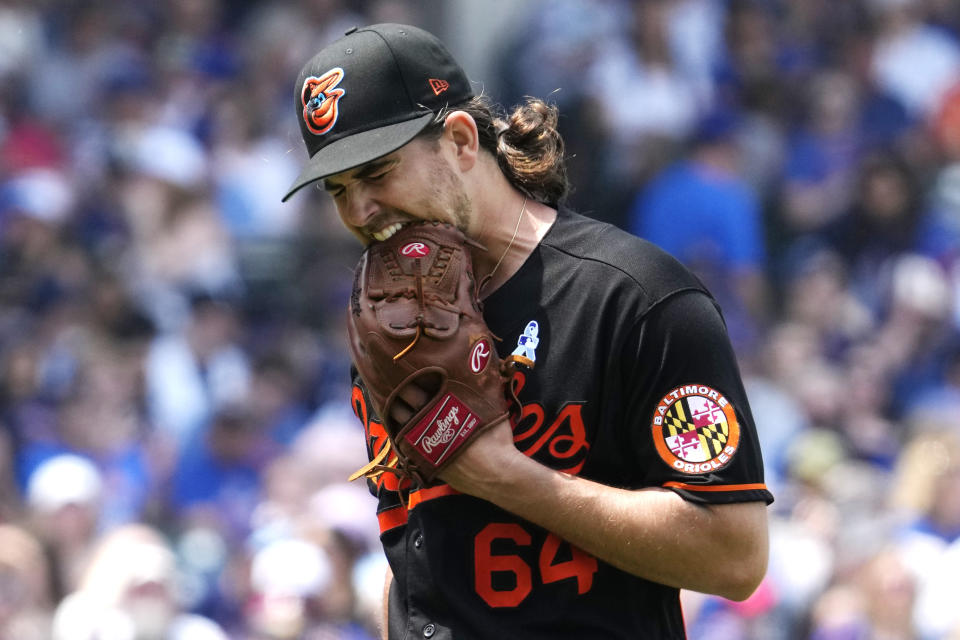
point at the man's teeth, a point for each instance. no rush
(385, 233)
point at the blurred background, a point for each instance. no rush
(175, 429)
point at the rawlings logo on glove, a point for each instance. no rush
(423, 350)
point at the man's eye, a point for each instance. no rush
(377, 177)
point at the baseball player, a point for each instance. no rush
(559, 437)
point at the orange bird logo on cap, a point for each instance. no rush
(320, 98)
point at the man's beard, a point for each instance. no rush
(447, 188)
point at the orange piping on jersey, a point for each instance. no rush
(392, 518)
(716, 487)
(422, 495)
(397, 516)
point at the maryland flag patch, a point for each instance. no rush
(695, 429)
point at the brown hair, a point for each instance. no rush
(526, 144)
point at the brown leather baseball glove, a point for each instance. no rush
(417, 331)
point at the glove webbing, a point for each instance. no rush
(418, 321)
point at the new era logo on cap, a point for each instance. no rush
(370, 93)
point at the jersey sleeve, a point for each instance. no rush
(691, 429)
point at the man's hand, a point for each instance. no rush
(487, 459)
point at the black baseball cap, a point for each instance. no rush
(369, 93)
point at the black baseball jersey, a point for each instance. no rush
(633, 384)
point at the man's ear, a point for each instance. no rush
(460, 128)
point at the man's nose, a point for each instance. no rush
(359, 208)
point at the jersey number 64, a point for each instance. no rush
(581, 565)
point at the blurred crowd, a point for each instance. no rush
(175, 425)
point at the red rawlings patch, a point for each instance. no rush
(480, 356)
(695, 429)
(443, 429)
(415, 250)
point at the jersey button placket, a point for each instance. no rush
(429, 629)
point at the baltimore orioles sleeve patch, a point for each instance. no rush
(695, 429)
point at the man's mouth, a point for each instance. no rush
(386, 232)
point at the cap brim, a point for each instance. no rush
(360, 148)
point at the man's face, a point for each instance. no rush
(413, 183)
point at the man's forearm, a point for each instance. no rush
(652, 533)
